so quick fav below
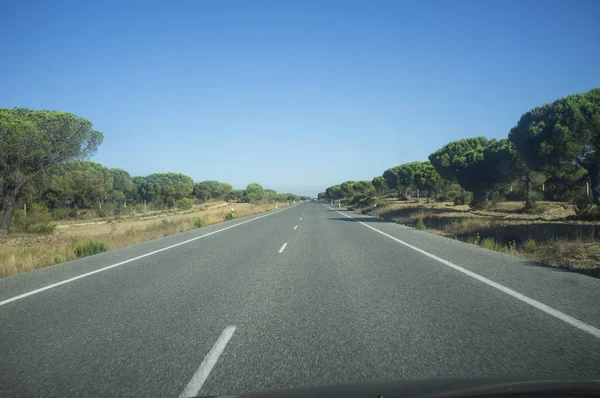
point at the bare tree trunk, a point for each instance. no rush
(9, 199)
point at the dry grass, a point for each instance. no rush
(25, 252)
(548, 236)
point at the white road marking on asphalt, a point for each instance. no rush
(305, 210)
(193, 387)
(534, 303)
(36, 291)
(283, 247)
(295, 227)
(300, 218)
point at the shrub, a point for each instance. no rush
(228, 216)
(107, 210)
(530, 245)
(420, 225)
(38, 220)
(59, 258)
(89, 248)
(185, 203)
(451, 195)
(585, 209)
(491, 244)
(199, 222)
(588, 212)
(458, 201)
(535, 208)
(61, 214)
(139, 208)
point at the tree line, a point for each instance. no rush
(555, 146)
(43, 162)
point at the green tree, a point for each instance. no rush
(207, 190)
(80, 184)
(334, 192)
(380, 185)
(235, 196)
(122, 186)
(167, 188)
(391, 177)
(364, 193)
(347, 188)
(458, 160)
(270, 195)
(254, 193)
(561, 134)
(32, 141)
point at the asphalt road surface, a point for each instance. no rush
(304, 296)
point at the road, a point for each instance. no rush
(304, 296)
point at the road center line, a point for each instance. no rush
(296, 227)
(283, 247)
(36, 291)
(521, 297)
(306, 210)
(195, 384)
(300, 218)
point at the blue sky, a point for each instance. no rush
(294, 95)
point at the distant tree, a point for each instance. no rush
(235, 196)
(32, 141)
(223, 189)
(270, 195)
(143, 190)
(80, 184)
(347, 188)
(122, 186)
(168, 188)
(391, 177)
(380, 185)
(364, 193)
(334, 192)
(426, 178)
(206, 190)
(561, 134)
(254, 193)
(456, 160)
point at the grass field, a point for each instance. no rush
(547, 236)
(25, 252)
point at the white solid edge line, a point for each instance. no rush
(36, 291)
(195, 384)
(534, 303)
(283, 247)
(295, 227)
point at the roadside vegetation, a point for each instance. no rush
(53, 201)
(551, 237)
(535, 194)
(22, 252)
